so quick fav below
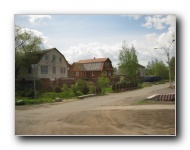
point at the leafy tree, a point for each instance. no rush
(157, 68)
(103, 82)
(129, 63)
(27, 45)
(172, 67)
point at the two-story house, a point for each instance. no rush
(49, 64)
(90, 69)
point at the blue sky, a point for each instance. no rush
(88, 36)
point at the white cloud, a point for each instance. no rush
(91, 50)
(162, 41)
(38, 34)
(33, 19)
(156, 21)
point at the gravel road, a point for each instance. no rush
(88, 116)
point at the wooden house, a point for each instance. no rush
(91, 69)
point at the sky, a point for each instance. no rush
(87, 36)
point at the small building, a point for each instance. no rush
(49, 64)
(141, 70)
(91, 69)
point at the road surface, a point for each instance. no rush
(77, 117)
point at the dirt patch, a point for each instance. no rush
(121, 122)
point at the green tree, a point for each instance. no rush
(27, 46)
(157, 68)
(172, 68)
(129, 63)
(103, 82)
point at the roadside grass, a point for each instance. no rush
(151, 102)
(48, 97)
(145, 102)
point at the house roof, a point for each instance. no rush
(93, 60)
(95, 64)
(41, 53)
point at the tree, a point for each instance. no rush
(129, 63)
(172, 67)
(157, 68)
(27, 45)
(103, 82)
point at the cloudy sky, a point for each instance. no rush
(88, 36)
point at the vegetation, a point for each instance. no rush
(81, 87)
(172, 68)
(27, 45)
(128, 63)
(103, 83)
(157, 68)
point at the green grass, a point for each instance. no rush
(145, 102)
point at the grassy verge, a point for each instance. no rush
(151, 102)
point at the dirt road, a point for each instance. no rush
(96, 116)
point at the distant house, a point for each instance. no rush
(49, 64)
(141, 70)
(90, 69)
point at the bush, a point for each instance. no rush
(98, 90)
(85, 90)
(57, 89)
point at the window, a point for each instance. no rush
(53, 58)
(54, 70)
(77, 73)
(84, 73)
(62, 70)
(109, 73)
(92, 73)
(44, 69)
(60, 59)
(46, 57)
(107, 64)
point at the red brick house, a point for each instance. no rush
(91, 69)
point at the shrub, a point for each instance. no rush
(98, 90)
(57, 89)
(85, 90)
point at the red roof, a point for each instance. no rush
(92, 60)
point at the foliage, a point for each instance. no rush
(92, 88)
(103, 82)
(66, 92)
(157, 68)
(129, 63)
(172, 68)
(27, 46)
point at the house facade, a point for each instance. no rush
(50, 64)
(141, 70)
(91, 69)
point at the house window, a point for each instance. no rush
(107, 64)
(77, 73)
(60, 59)
(53, 58)
(44, 69)
(92, 73)
(46, 57)
(62, 70)
(84, 73)
(109, 73)
(54, 70)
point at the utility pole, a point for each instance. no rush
(168, 57)
(34, 67)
